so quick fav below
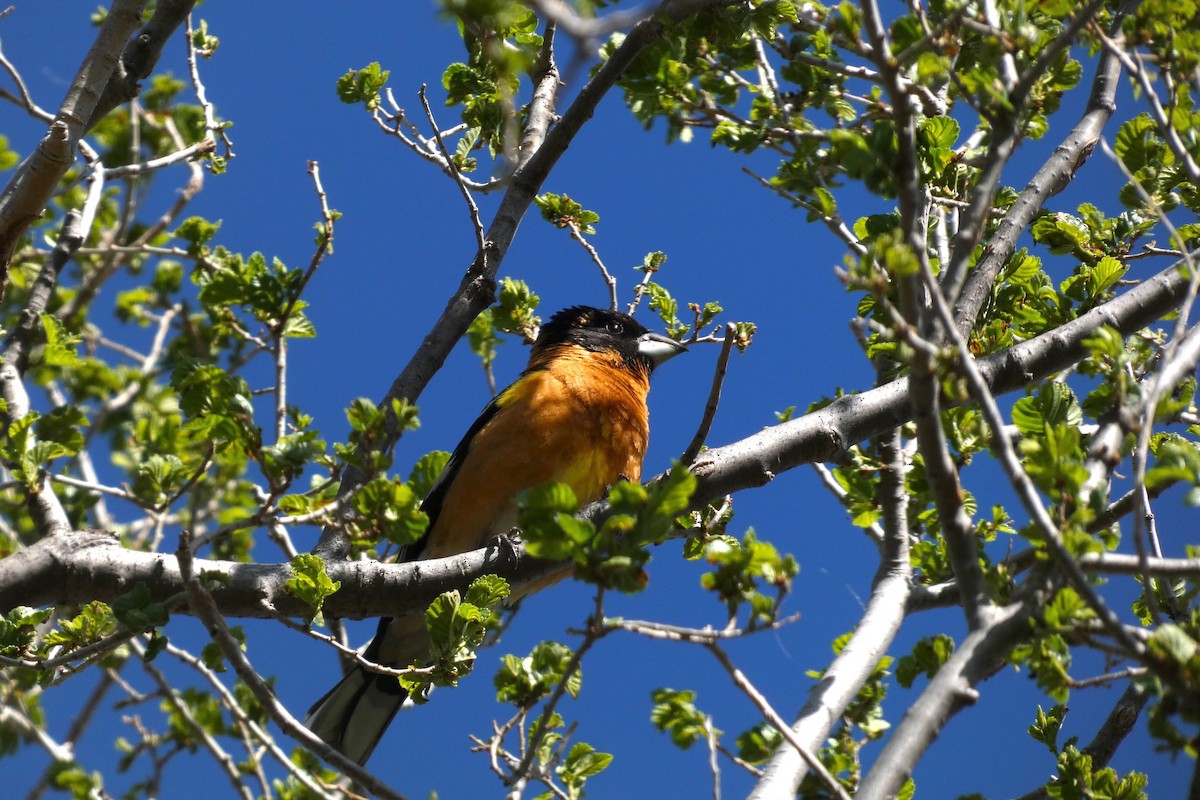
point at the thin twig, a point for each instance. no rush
(455, 174)
(714, 399)
(198, 731)
(760, 702)
(200, 148)
(242, 718)
(609, 280)
(714, 766)
(215, 130)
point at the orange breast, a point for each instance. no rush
(580, 418)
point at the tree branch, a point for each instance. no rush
(839, 686)
(950, 690)
(200, 601)
(1055, 173)
(140, 55)
(825, 434)
(76, 567)
(1114, 730)
(107, 77)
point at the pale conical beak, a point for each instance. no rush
(657, 348)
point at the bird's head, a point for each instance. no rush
(602, 330)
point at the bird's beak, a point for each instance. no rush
(657, 348)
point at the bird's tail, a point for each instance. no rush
(353, 715)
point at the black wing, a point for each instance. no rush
(432, 504)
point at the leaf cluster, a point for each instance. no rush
(456, 626)
(612, 555)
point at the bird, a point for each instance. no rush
(577, 414)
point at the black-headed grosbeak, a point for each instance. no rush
(578, 415)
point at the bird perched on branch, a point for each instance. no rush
(578, 415)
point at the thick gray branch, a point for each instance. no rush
(1055, 174)
(825, 434)
(107, 77)
(141, 54)
(950, 690)
(853, 666)
(77, 567)
(74, 567)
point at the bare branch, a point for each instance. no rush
(714, 399)
(587, 28)
(1021, 482)
(452, 170)
(760, 702)
(825, 434)
(239, 715)
(1122, 564)
(951, 689)
(141, 54)
(223, 759)
(609, 281)
(25, 100)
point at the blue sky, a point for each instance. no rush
(401, 248)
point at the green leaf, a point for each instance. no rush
(310, 584)
(1137, 142)
(582, 762)
(18, 630)
(938, 131)
(363, 85)
(93, 622)
(59, 350)
(1054, 404)
(61, 426)
(524, 681)
(554, 497)
(389, 510)
(759, 743)
(514, 310)
(1173, 642)
(137, 611)
(8, 158)
(743, 570)
(481, 336)
(927, 657)
(563, 212)
(197, 231)
(675, 713)
(487, 591)
(1105, 275)
(427, 469)
(1045, 729)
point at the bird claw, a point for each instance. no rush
(507, 542)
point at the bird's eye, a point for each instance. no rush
(615, 328)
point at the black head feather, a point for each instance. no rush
(601, 329)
